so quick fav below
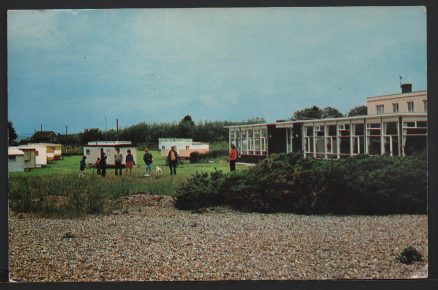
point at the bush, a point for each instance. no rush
(409, 256)
(290, 183)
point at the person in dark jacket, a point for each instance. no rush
(172, 159)
(102, 163)
(147, 158)
(82, 166)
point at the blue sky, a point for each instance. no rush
(78, 68)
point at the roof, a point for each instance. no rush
(398, 95)
(251, 125)
(110, 143)
(346, 119)
(43, 134)
(14, 151)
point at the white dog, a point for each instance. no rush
(158, 171)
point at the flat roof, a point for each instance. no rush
(398, 95)
(279, 125)
(110, 145)
(14, 151)
(251, 125)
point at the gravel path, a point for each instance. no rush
(153, 241)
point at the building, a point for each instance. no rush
(405, 102)
(393, 133)
(40, 153)
(183, 146)
(15, 160)
(44, 137)
(93, 151)
(29, 158)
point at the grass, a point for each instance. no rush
(34, 191)
(68, 168)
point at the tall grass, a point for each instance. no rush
(57, 189)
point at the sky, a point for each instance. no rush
(85, 68)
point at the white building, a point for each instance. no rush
(15, 160)
(93, 151)
(183, 146)
(40, 153)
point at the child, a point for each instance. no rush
(129, 162)
(118, 157)
(97, 165)
(147, 157)
(82, 166)
(233, 157)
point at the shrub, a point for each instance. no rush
(409, 255)
(290, 183)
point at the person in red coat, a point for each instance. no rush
(233, 157)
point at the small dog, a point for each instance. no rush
(158, 171)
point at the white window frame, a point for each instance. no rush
(410, 106)
(380, 109)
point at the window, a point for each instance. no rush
(163, 147)
(12, 158)
(425, 106)
(395, 108)
(187, 147)
(380, 109)
(410, 107)
(87, 151)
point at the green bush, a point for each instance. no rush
(291, 183)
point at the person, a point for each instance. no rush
(118, 157)
(129, 162)
(233, 157)
(147, 157)
(82, 166)
(97, 165)
(172, 159)
(102, 163)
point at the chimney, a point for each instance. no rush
(406, 88)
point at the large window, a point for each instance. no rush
(331, 142)
(344, 140)
(249, 141)
(395, 108)
(374, 139)
(414, 136)
(390, 138)
(410, 106)
(358, 139)
(380, 109)
(425, 106)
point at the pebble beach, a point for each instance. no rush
(150, 240)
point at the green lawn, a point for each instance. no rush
(136, 182)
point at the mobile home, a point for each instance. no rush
(183, 146)
(40, 153)
(15, 160)
(29, 158)
(93, 151)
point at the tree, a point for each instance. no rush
(11, 133)
(89, 135)
(185, 127)
(358, 111)
(313, 112)
(330, 112)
